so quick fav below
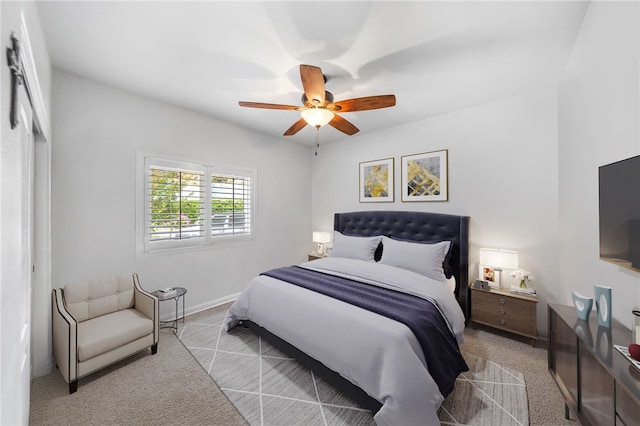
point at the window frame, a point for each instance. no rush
(145, 161)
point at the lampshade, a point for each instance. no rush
(317, 117)
(497, 258)
(321, 237)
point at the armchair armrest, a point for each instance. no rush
(146, 303)
(65, 332)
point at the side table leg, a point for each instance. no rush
(175, 328)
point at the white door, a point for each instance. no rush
(16, 234)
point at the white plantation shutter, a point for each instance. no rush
(230, 204)
(188, 204)
(176, 204)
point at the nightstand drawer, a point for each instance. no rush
(501, 309)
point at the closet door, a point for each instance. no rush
(16, 235)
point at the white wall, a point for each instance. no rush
(98, 130)
(598, 124)
(16, 259)
(502, 173)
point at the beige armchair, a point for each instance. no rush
(99, 322)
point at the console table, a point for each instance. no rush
(599, 385)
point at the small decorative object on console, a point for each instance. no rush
(636, 313)
(603, 305)
(626, 353)
(582, 304)
(634, 351)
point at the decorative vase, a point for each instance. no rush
(603, 305)
(523, 283)
(582, 304)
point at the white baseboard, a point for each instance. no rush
(211, 304)
(39, 371)
(190, 310)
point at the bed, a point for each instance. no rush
(399, 368)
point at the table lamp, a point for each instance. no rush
(321, 238)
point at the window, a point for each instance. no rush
(230, 205)
(188, 204)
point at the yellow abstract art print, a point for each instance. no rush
(376, 181)
(424, 176)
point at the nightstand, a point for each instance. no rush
(314, 256)
(501, 309)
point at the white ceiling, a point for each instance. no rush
(435, 56)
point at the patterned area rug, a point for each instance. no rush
(487, 394)
(269, 388)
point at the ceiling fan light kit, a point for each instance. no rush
(317, 117)
(318, 107)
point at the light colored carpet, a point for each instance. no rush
(168, 388)
(270, 388)
(171, 387)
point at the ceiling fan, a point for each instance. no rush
(318, 106)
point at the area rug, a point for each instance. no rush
(270, 388)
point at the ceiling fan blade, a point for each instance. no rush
(313, 84)
(267, 106)
(363, 104)
(343, 125)
(296, 127)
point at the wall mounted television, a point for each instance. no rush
(619, 193)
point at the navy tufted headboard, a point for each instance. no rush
(417, 226)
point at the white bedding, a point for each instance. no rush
(380, 355)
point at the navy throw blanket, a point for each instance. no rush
(439, 345)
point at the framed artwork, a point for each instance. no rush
(487, 273)
(425, 176)
(376, 181)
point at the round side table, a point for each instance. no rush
(175, 296)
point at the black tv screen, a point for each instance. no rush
(619, 187)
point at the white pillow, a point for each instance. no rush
(363, 248)
(424, 259)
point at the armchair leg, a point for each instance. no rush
(154, 349)
(73, 386)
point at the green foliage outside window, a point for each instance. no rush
(176, 200)
(227, 206)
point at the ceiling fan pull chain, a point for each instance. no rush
(317, 139)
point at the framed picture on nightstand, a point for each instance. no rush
(487, 273)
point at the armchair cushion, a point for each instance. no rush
(99, 335)
(90, 299)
